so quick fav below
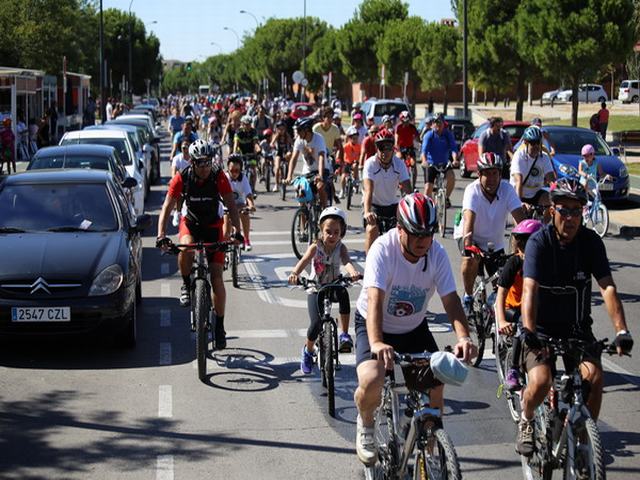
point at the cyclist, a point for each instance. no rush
(7, 145)
(381, 176)
(261, 121)
(243, 197)
(311, 147)
(386, 123)
(245, 142)
(438, 144)
(186, 133)
(358, 122)
(532, 171)
(326, 256)
(350, 159)
(368, 145)
(486, 205)
(497, 140)
(201, 186)
(509, 296)
(405, 134)
(560, 260)
(282, 143)
(590, 170)
(404, 268)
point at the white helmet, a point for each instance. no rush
(200, 149)
(334, 212)
(246, 119)
(352, 130)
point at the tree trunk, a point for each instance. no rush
(520, 95)
(574, 102)
(445, 100)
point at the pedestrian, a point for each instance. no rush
(7, 146)
(43, 137)
(603, 117)
(109, 109)
(52, 113)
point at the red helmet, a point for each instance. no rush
(489, 160)
(384, 136)
(417, 214)
(267, 132)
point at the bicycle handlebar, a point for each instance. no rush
(571, 346)
(341, 281)
(174, 248)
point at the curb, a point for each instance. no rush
(622, 230)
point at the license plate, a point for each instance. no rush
(606, 186)
(41, 314)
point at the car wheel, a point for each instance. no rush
(463, 168)
(634, 99)
(126, 338)
(570, 98)
(602, 99)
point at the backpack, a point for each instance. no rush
(303, 190)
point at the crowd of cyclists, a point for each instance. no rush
(223, 148)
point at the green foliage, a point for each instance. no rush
(323, 59)
(398, 47)
(438, 62)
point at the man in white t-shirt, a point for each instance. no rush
(109, 109)
(486, 204)
(381, 176)
(404, 268)
(311, 147)
(532, 171)
(243, 196)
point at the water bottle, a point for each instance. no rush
(458, 218)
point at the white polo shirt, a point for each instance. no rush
(522, 163)
(385, 182)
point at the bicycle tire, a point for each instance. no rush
(537, 466)
(599, 220)
(201, 314)
(328, 339)
(349, 192)
(234, 266)
(283, 174)
(442, 212)
(596, 468)
(267, 175)
(448, 464)
(504, 354)
(297, 233)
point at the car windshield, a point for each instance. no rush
(515, 131)
(388, 109)
(117, 143)
(69, 161)
(58, 207)
(570, 142)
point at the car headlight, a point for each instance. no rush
(623, 172)
(568, 170)
(108, 281)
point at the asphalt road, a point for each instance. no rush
(78, 410)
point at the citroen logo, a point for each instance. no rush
(40, 284)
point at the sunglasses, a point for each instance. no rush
(202, 163)
(386, 148)
(569, 212)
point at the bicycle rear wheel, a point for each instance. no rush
(438, 461)
(300, 231)
(235, 259)
(349, 193)
(441, 201)
(201, 308)
(267, 175)
(328, 366)
(588, 459)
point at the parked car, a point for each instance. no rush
(586, 92)
(374, 109)
(76, 255)
(153, 138)
(469, 152)
(551, 96)
(120, 141)
(568, 142)
(148, 110)
(629, 91)
(462, 128)
(302, 109)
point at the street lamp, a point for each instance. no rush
(130, 53)
(103, 97)
(217, 45)
(254, 17)
(235, 33)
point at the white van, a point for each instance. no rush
(629, 91)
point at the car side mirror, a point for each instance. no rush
(617, 151)
(140, 164)
(142, 223)
(129, 182)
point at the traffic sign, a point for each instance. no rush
(304, 82)
(297, 76)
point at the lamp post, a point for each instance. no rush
(304, 40)
(237, 36)
(254, 17)
(130, 89)
(103, 97)
(465, 79)
(217, 45)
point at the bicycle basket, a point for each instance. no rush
(302, 188)
(420, 378)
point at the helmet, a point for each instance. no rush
(267, 132)
(234, 157)
(404, 116)
(588, 150)
(385, 119)
(338, 214)
(429, 119)
(537, 122)
(6, 121)
(351, 131)
(489, 160)
(246, 119)
(439, 118)
(568, 188)
(280, 123)
(337, 116)
(532, 134)
(527, 227)
(384, 136)
(417, 214)
(304, 123)
(325, 102)
(357, 116)
(200, 149)
(357, 105)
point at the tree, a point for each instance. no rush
(324, 58)
(438, 62)
(359, 38)
(397, 48)
(575, 39)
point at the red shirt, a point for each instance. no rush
(369, 146)
(176, 186)
(603, 115)
(407, 132)
(351, 152)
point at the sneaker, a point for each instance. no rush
(524, 440)
(275, 188)
(342, 195)
(175, 221)
(336, 200)
(303, 237)
(365, 443)
(247, 247)
(306, 361)
(220, 339)
(185, 296)
(447, 203)
(512, 382)
(345, 343)
(467, 304)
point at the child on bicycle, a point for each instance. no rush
(590, 169)
(509, 297)
(243, 196)
(325, 257)
(351, 156)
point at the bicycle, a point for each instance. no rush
(267, 168)
(440, 197)
(566, 437)
(328, 338)
(202, 311)
(408, 155)
(284, 170)
(396, 440)
(595, 214)
(304, 228)
(351, 185)
(249, 166)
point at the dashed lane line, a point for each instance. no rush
(164, 467)
(165, 353)
(165, 401)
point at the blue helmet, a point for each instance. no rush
(532, 134)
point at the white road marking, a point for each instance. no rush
(269, 233)
(165, 317)
(165, 353)
(164, 268)
(165, 401)
(626, 374)
(164, 467)
(288, 242)
(264, 294)
(165, 289)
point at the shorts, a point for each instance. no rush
(535, 200)
(208, 234)
(417, 340)
(432, 172)
(532, 358)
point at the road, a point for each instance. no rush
(77, 410)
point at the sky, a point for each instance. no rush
(187, 28)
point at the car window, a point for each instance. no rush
(43, 207)
(125, 206)
(118, 143)
(634, 85)
(480, 130)
(70, 161)
(516, 131)
(571, 142)
(624, 84)
(388, 109)
(366, 107)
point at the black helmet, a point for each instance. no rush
(568, 188)
(304, 123)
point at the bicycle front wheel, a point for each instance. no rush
(267, 175)
(442, 211)
(327, 346)
(234, 266)
(599, 220)
(201, 313)
(299, 232)
(588, 455)
(437, 458)
(349, 193)
(504, 356)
